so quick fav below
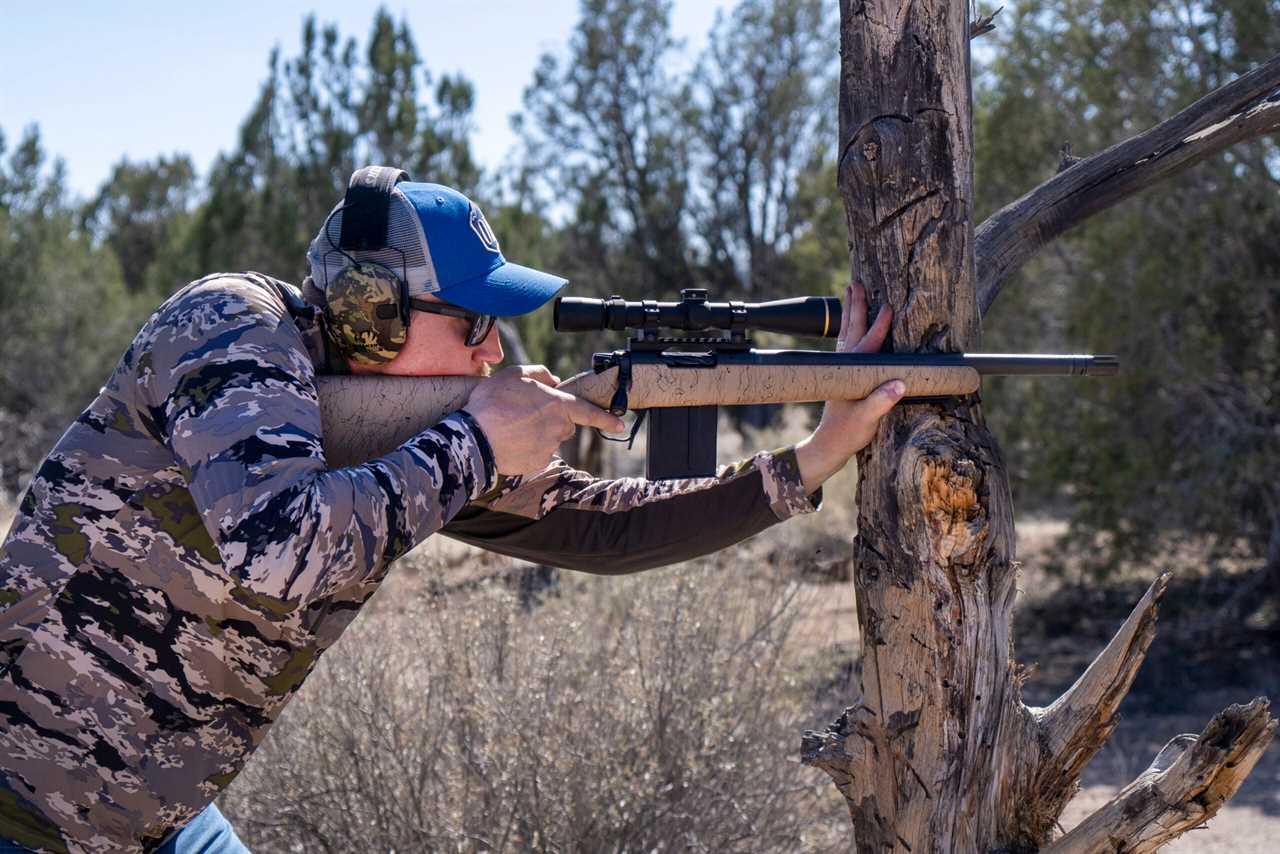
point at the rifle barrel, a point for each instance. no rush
(987, 364)
(1021, 364)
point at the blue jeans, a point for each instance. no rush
(208, 833)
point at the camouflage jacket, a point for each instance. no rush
(183, 556)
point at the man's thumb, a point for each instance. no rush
(884, 397)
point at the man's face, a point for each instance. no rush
(437, 346)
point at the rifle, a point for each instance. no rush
(680, 382)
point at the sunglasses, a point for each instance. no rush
(481, 324)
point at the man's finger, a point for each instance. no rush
(539, 373)
(875, 405)
(853, 320)
(873, 340)
(587, 414)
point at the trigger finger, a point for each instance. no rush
(539, 373)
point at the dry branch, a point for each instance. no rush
(836, 751)
(1075, 726)
(1089, 706)
(1246, 108)
(1190, 779)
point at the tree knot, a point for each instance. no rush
(949, 499)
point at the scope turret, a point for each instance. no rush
(816, 316)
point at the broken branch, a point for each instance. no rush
(1246, 108)
(1078, 724)
(1186, 784)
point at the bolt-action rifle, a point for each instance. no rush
(680, 381)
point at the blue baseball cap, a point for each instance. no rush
(440, 243)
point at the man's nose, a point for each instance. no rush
(489, 351)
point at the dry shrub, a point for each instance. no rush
(649, 713)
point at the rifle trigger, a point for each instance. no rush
(635, 428)
(618, 405)
(630, 438)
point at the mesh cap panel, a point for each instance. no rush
(404, 233)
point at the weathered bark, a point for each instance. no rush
(939, 754)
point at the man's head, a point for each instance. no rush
(394, 255)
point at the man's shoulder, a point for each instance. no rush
(231, 294)
(225, 323)
(217, 305)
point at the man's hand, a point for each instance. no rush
(848, 426)
(525, 419)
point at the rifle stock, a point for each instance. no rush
(657, 386)
(364, 417)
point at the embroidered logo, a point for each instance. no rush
(481, 227)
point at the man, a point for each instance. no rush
(183, 556)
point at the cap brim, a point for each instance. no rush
(507, 291)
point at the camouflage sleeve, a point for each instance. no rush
(568, 518)
(231, 390)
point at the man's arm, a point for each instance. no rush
(571, 519)
(230, 390)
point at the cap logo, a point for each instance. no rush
(481, 227)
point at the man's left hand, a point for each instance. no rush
(848, 426)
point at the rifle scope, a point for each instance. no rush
(817, 316)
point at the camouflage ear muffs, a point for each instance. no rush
(367, 304)
(368, 308)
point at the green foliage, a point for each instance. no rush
(763, 130)
(605, 132)
(65, 314)
(143, 213)
(719, 177)
(317, 117)
(706, 178)
(1183, 282)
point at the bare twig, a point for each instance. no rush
(984, 24)
(1184, 787)
(1246, 108)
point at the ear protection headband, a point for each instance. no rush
(367, 304)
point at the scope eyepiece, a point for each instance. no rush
(815, 316)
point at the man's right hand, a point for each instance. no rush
(525, 418)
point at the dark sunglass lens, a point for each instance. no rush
(480, 328)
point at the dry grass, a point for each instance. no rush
(639, 714)
(657, 712)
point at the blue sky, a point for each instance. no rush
(110, 79)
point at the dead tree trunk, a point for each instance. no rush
(939, 754)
